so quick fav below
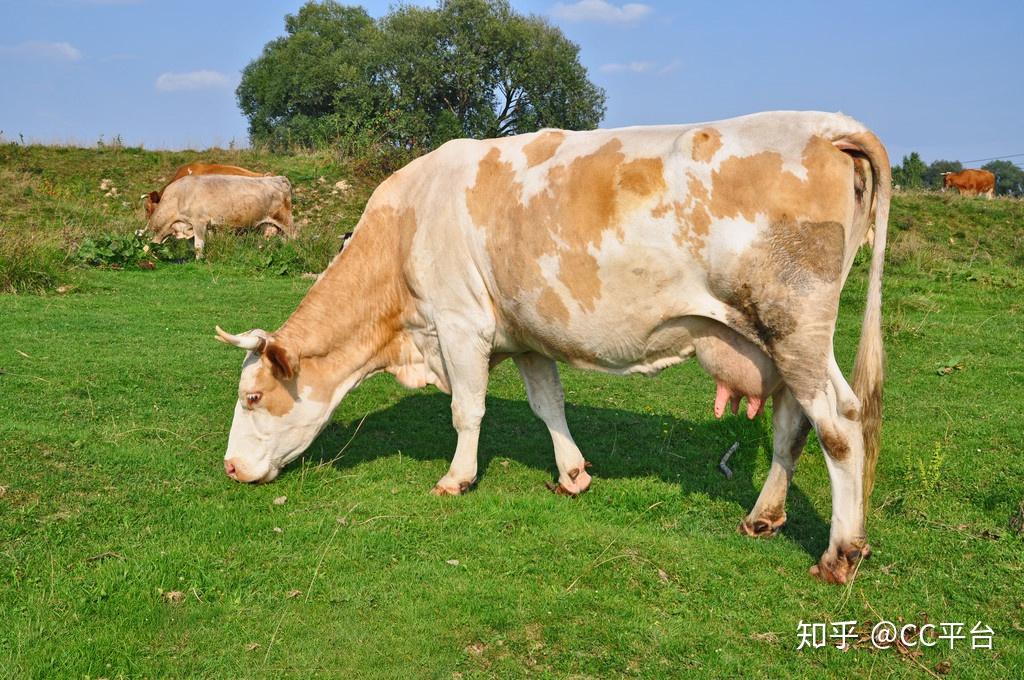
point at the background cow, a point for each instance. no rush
(970, 182)
(192, 204)
(151, 199)
(625, 251)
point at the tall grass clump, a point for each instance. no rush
(27, 266)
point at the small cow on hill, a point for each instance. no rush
(191, 205)
(970, 182)
(151, 199)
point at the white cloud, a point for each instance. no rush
(57, 51)
(600, 10)
(631, 67)
(193, 80)
(642, 67)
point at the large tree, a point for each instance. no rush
(415, 78)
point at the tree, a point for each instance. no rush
(314, 83)
(910, 173)
(933, 175)
(415, 78)
(1009, 177)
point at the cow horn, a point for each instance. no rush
(254, 340)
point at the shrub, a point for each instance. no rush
(27, 267)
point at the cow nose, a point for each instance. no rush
(229, 469)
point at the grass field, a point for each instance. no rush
(126, 552)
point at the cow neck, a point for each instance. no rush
(347, 325)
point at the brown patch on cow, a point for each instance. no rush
(801, 251)
(643, 177)
(706, 143)
(551, 306)
(835, 445)
(660, 210)
(768, 320)
(200, 168)
(692, 218)
(749, 186)
(278, 397)
(578, 272)
(543, 147)
(584, 202)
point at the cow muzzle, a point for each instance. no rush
(240, 471)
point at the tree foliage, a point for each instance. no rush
(416, 77)
(909, 174)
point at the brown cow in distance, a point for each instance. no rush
(197, 168)
(970, 182)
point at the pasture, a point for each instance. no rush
(126, 552)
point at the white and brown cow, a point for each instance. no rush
(624, 251)
(196, 168)
(191, 205)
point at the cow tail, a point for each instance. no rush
(869, 366)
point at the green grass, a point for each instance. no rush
(115, 403)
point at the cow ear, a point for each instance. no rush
(282, 362)
(154, 196)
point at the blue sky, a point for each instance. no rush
(941, 78)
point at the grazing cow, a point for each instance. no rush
(970, 182)
(624, 251)
(151, 199)
(192, 204)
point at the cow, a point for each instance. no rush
(970, 182)
(192, 204)
(624, 251)
(150, 200)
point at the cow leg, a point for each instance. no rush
(544, 391)
(843, 441)
(790, 428)
(200, 238)
(466, 357)
(847, 401)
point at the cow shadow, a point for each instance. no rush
(619, 444)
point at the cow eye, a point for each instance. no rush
(253, 398)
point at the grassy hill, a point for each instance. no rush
(126, 552)
(52, 198)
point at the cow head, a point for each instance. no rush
(279, 412)
(149, 202)
(947, 180)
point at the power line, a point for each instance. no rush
(995, 158)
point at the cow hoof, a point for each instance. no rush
(448, 487)
(573, 483)
(761, 527)
(840, 566)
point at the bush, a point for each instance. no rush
(117, 251)
(27, 267)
